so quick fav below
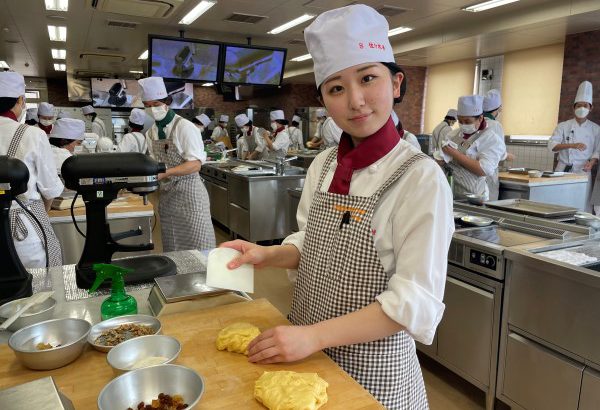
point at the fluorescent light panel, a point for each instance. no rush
(197, 11)
(398, 30)
(136, 72)
(60, 67)
(207, 85)
(293, 23)
(59, 53)
(4, 64)
(302, 57)
(143, 56)
(57, 5)
(486, 5)
(57, 33)
(32, 95)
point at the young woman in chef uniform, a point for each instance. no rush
(375, 223)
(67, 133)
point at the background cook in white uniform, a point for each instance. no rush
(492, 103)
(98, 126)
(135, 141)
(66, 134)
(296, 137)
(441, 131)
(408, 136)
(275, 145)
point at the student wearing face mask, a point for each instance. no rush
(98, 126)
(296, 138)
(492, 104)
(66, 134)
(328, 133)
(441, 131)
(220, 133)
(134, 140)
(250, 143)
(183, 207)
(46, 117)
(276, 143)
(472, 151)
(201, 121)
(31, 117)
(30, 145)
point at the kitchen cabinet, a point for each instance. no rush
(218, 202)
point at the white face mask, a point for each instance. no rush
(582, 112)
(46, 122)
(468, 128)
(159, 112)
(245, 128)
(274, 126)
(201, 129)
(23, 113)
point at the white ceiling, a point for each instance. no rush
(442, 32)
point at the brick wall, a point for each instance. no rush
(410, 110)
(581, 62)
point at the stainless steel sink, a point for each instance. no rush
(294, 171)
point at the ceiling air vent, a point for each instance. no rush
(104, 48)
(138, 8)
(245, 18)
(296, 42)
(122, 24)
(102, 56)
(89, 73)
(391, 11)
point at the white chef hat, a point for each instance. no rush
(492, 101)
(153, 88)
(46, 109)
(395, 117)
(31, 114)
(69, 129)
(470, 105)
(584, 93)
(65, 114)
(88, 109)
(346, 37)
(224, 118)
(321, 112)
(137, 116)
(241, 120)
(104, 144)
(203, 118)
(277, 115)
(296, 118)
(12, 85)
(452, 113)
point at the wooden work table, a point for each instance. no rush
(229, 377)
(526, 179)
(123, 204)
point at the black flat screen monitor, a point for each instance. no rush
(247, 65)
(190, 60)
(117, 93)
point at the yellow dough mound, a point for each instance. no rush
(236, 337)
(285, 390)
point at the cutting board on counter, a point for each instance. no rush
(506, 176)
(229, 377)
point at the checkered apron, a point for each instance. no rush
(18, 229)
(465, 181)
(183, 207)
(339, 273)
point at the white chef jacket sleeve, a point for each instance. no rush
(557, 137)
(261, 145)
(216, 134)
(49, 184)
(188, 141)
(490, 149)
(281, 142)
(416, 289)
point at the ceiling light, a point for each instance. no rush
(302, 58)
(398, 30)
(143, 56)
(59, 53)
(4, 64)
(292, 23)
(57, 33)
(57, 5)
(32, 95)
(197, 11)
(60, 67)
(136, 72)
(486, 5)
(207, 85)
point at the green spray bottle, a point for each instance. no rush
(119, 303)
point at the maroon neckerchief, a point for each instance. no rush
(46, 128)
(9, 114)
(481, 127)
(350, 158)
(277, 131)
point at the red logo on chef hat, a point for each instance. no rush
(371, 44)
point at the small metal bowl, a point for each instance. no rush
(69, 333)
(131, 388)
(477, 220)
(105, 325)
(475, 199)
(126, 355)
(35, 314)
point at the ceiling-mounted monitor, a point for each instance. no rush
(250, 65)
(184, 59)
(116, 93)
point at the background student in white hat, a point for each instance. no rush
(220, 133)
(67, 133)
(441, 131)
(473, 150)
(276, 143)
(296, 137)
(46, 117)
(30, 145)
(492, 105)
(183, 207)
(202, 122)
(406, 135)
(98, 126)
(250, 144)
(134, 140)
(375, 223)
(327, 134)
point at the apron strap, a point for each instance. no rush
(16, 140)
(464, 145)
(137, 140)
(399, 173)
(332, 155)
(18, 229)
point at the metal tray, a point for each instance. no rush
(524, 206)
(186, 287)
(520, 171)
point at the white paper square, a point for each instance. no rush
(219, 276)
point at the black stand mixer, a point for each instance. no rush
(15, 281)
(98, 178)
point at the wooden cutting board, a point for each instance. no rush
(507, 176)
(229, 377)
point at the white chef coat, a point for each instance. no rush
(409, 247)
(439, 135)
(99, 128)
(60, 155)
(280, 146)
(411, 139)
(493, 181)
(570, 132)
(36, 153)
(218, 132)
(329, 132)
(186, 137)
(296, 138)
(133, 142)
(243, 146)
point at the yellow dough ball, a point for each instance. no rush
(286, 390)
(236, 337)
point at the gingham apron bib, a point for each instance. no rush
(183, 207)
(339, 273)
(18, 229)
(465, 181)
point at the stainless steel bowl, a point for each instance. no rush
(35, 314)
(126, 355)
(105, 325)
(131, 388)
(477, 220)
(69, 333)
(475, 199)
